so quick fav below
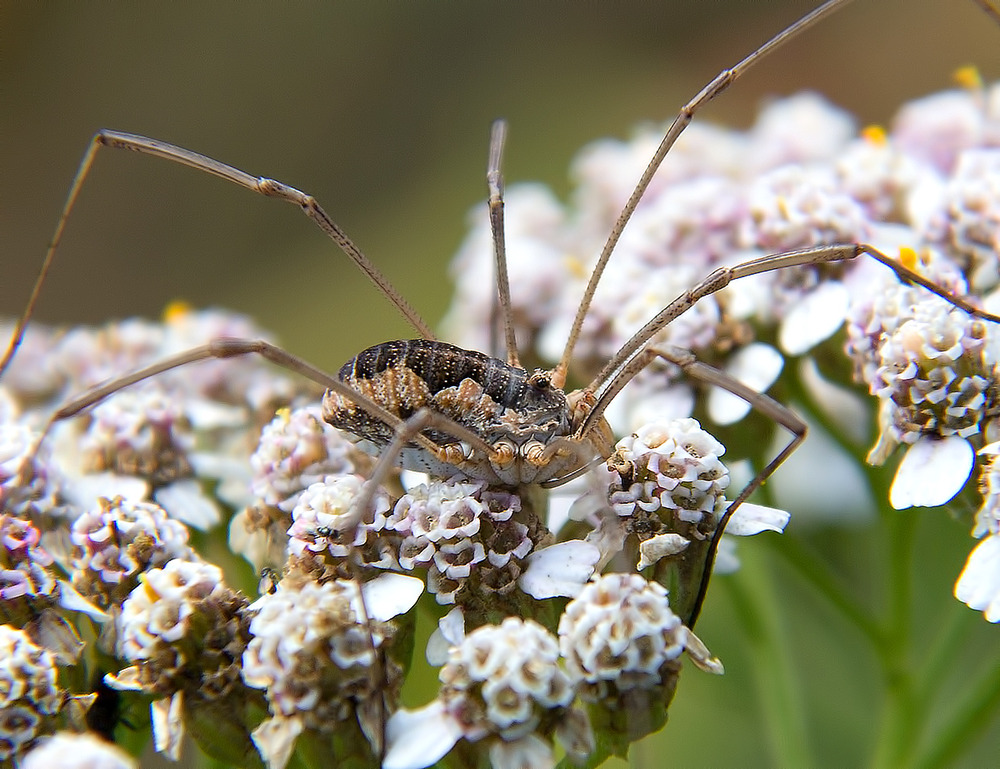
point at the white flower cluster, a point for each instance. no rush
(311, 651)
(671, 470)
(29, 694)
(324, 520)
(297, 449)
(158, 439)
(26, 581)
(924, 194)
(501, 683)
(118, 541)
(937, 376)
(320, 649)
(620, 634)
(161, 611)
(318, 652)
(458, 531)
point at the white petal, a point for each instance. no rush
(208, 415)
(978, 586)
(85, 490)
(673, 402)
(126, 680)
(842, 406)
(699, 653)
(391, 594)
(186, 501)
(275, 739)
(559, 570)
(749, 519)
(815, 318)
(168, 725)
(757, 365)
(660, 546)
(71, 599)
(412, 478)
(726, 560)
(449, 632)
(932, 471)
(419, 738)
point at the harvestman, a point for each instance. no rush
(538, 434)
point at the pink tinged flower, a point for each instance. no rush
(978, 586)
(932, 471)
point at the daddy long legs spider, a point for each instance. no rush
(549, 444)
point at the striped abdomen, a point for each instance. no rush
(482, 393)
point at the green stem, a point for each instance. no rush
(899, 721)
(941, 657)
(753, 595)
(969, 718)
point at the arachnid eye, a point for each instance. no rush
(540, 379)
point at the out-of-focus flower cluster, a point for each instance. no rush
(112, 521)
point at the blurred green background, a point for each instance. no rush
(382, 111)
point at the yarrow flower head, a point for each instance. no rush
(296, 449)
(321, 663)
(978, 585)
(619, 635)
(30, 698)
(469, 539)
(116, 543)
(503, 684)
(27, 584)
(938, 384)
(184, 632)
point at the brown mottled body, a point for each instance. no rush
(530, 424)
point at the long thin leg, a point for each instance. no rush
(720, 83)
(229, 348)
(494, 181)
(262, 185)
(723, 276)
(702, 372)
(405, 432)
